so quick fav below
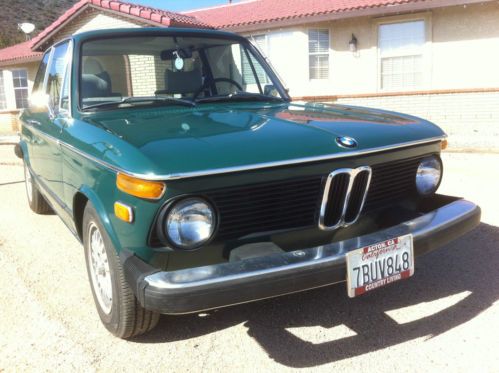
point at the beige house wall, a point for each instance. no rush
(461, 51)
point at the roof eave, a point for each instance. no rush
(20, 60)
(165, 22)
(366, 12)
(45, 38)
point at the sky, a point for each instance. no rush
(179, 5)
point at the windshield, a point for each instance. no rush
(170, 70)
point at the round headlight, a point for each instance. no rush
(429, 175)
(190, 223)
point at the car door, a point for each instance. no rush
(35, 114)
(48, 125)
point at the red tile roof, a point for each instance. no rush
(252, 12)
(28, 50)
(21, 51)
(150, 15)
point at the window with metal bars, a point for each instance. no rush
(318, 53)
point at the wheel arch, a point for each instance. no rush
(24, 151)
(81, 198)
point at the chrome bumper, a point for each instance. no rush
(213, 286)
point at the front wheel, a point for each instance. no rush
(36, 201)
(116, 304)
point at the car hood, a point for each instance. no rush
(217, 136)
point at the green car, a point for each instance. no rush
(178, 159)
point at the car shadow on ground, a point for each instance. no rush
(468, 266)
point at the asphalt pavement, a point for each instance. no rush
(445, 317)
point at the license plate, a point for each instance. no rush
(377, 265)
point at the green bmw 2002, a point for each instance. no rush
(179, 161)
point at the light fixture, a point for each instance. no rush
(140, 188)
(428, 175)
(353, 44)
(188, 223)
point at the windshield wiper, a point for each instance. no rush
(240, 96)
(133, 100)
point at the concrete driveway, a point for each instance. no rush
(445, 317)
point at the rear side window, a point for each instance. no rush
(56, 73)
(40, 75)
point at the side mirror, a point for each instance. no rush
(270, 90)
(39, 102)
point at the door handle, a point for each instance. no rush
(33, 122)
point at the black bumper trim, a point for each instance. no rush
(214, 286)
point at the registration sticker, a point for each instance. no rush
(377, 265)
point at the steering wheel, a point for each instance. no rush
(216, 80)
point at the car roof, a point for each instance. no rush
(164, 31)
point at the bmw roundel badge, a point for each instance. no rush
(346, 142)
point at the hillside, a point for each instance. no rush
(40, 12)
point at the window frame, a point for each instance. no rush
(41, 87)
(78, 54)
(56, 109)
(329, 44)
(2, 92)
(426, 79)
(15, 89)
(66, 79)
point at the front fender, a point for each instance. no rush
(21, 151)
(96, 202)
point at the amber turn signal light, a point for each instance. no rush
(140, 188)
(123, 212)
(444, 144)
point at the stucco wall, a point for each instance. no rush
(461, 51)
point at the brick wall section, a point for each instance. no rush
(8, 123)
(147, 74)
(143, 70)
(470, 119)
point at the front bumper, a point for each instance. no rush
(213, 286)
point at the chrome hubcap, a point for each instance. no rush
(29, 183)
(99, 269)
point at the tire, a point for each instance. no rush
(118, 308)
(36, 201)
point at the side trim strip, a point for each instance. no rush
(259, 166)
(96, 160)
(226, 170)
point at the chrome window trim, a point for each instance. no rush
(66, 76)
(352, 173)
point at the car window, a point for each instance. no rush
(40, 75)
(65, 88)
(114, 69)
(57, 69)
